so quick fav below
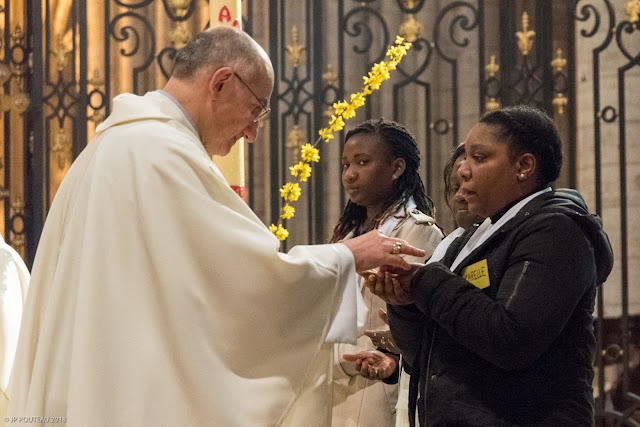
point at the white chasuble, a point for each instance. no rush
(14, 282)
(157, 296)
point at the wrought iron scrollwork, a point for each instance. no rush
(464, 16)
(600, 21)
(133, 5)
(61, 99)
(425, 50)
(586, 12)
(96, 98)
(526, 80)
(628, 27)
(296, 96)
(135, 34)
(460, 20)
(165, 60)
(357, 24)
(330, 89)
(608, 114)
(179, 10)
(15, 67)
(410, 6)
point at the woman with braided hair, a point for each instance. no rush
(380, 174)
(510, 338)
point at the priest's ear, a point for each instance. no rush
(219, 81)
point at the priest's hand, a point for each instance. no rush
(392, 285)
(374, 249)
(373, 364)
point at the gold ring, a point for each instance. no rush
(396, 248)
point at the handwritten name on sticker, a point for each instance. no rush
(477, 274)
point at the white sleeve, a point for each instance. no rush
(344, 327)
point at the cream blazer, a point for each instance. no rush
(358, 401)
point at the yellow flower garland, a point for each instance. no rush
(343, 110)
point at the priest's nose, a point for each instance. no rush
(251, 132)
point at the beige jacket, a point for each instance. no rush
(358, 401)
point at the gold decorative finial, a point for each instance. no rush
(96, 81)
(60, 53)
(559, 62)
(492, 68)
(5, 73)
(179, 7)
(18, 35)
(17, 242)
(61, 147)
(20, 102)
(295, 49)
(330, 76)
(180, 35)
(560, 101)
(17, 206)
(97, 117)
(410, 29)
(295, 140)
(492, 104)
(632, 9)
(525, 37)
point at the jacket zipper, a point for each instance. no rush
(517, 286)
(428, 374)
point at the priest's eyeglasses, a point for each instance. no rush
(265, 108)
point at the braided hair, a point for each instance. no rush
(529, 130)
(401, 144)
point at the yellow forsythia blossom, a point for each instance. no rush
(301, 170)
(290, 191)
(310, 153)
(287, 211)
(343, 110)
(280, 232)
(326, 134)
(336, 123)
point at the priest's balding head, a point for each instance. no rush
(223, 79)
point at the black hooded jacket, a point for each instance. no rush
(518, 351)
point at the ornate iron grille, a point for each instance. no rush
(604, 30)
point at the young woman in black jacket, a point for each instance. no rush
(500, 328)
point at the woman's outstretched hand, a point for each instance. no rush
(373, 364)
(392, 285)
